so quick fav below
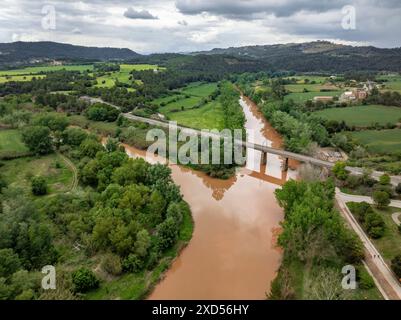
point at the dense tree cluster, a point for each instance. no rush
(102, 112)
(314, 238)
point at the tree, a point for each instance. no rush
(142, 243)
(84, 280)
(396, 266)
(339, 171)
(54, 122)
(90, 147)
(38, 139)
(74, 136)
(167, 234)
(9, 262)
(385, 180)
(398, 188)
(111, 145)
(381, 199)
(39, 186)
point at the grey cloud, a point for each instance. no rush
(183, 23)
(131, 13)
(243, 9)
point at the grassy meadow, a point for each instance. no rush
(383, 141)
(181, 106)
(363, 116)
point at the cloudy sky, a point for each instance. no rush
(149, 26)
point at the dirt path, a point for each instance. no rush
(74, 183)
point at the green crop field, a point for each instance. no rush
(36, 70)
(363, 116)
(393, 82)
(180, 106)
(123, 75)
(186, 103)
(199, 89)
(4, 79)
(209, 116)
(383, 141)
(302, 97)
(10, 141)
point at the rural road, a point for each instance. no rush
(385, 279)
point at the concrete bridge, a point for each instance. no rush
(286, 155)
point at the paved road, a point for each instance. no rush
(384, 277)
(396, 218)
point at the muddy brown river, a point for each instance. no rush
(233, 252)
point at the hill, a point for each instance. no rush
(20, 53)
(317, 56)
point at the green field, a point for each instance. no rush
(199, 89)
(363, 116)
(123, 75)
(37, 70)
(180, 106)
(393, 82)
(18, 172)
(209, 116)
(383, 141)
(10, 141)
(301, 97)
(4, 79)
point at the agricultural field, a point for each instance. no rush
(301, 97)
(209, 116)
(393, 82)
(44, 69)
(383, 141)
(363, 116)
(108, 80)
(4, 79)
(181, 106)
(19, 172)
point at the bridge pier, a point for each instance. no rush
(285, 164)
(263, 159)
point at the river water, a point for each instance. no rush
(233, 252)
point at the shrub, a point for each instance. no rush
(396, 265)
(381, 199)
(339, 171)
(133, 263)
(364, 278)
(84, 280)
(374, 225)
(112, 264)
(39, 186)
(385, 179)
(398, 188)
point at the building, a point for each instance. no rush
(348, 96)
(323, 99)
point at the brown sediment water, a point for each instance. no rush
(233, 252)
